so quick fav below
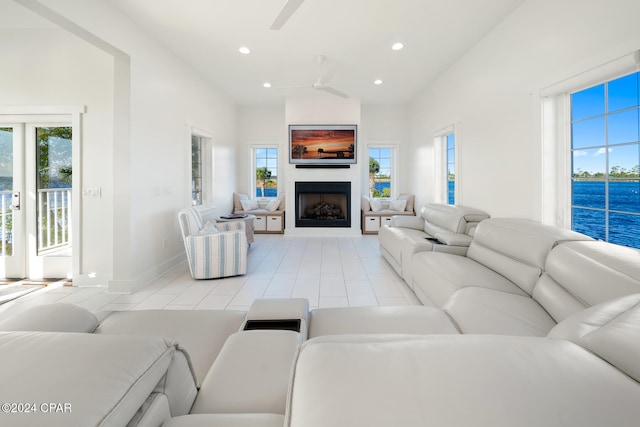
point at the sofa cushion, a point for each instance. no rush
(437, 276)
(517, 248)
(449, 217)
(610, 329)
(251, 374)
(487, 311)
(201, 332)
(382, 320)
(96, 379)
(58, 317)
(585, 273)
(455, 381)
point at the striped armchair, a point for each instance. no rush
(218, 250)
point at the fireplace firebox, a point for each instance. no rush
(323, 204)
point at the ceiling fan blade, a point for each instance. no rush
(332, 91)
(289, 8)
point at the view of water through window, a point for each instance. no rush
(605, 144)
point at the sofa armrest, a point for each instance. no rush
(453, 239)
(407, 221)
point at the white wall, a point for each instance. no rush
(388, 124)
(52, 67)
(492, 92)
(260, 125)
(165, 98)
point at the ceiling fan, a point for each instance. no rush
(319, 84)
(289, 8)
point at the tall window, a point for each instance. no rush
(196, 170)
(381, 171)
(605, 145)
(451, 168)
(266, 171)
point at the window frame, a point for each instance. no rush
(555, 120)
(252, 172)
(393, 173)
(206, 168)
(441, 166)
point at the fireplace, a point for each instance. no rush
(323, 204)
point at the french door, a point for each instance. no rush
(35, 200)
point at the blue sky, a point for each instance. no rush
(607, 113)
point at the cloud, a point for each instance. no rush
(602, 151)
(579, 153)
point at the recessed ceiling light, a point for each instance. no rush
(266, 84)
(377, 82)
(244, 50)
(397, 46)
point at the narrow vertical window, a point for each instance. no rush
(196, 170)
(605, 148)
(381, 171)
(266, 171)
(451, 168)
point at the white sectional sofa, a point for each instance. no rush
(537, 326)
(439, 227)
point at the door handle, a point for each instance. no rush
(15, 200)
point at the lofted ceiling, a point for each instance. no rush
(355, 36)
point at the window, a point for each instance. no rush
(265, 171)
(605, 148)
(200, 153)
(196, 170)
(381, 171)
(451, 168)
(444, 144)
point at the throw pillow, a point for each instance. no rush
(397, 205)
(273, 205)
(376, 205)
(410, 198)
(365, 204)
(237, 197)
(248, 205)
(208, 228)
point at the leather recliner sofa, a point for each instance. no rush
(439, 228)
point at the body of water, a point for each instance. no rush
(268, 192)
(589, 217)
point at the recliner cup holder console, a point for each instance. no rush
(277, 324)
(278, 314)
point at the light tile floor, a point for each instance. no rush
(329, 272)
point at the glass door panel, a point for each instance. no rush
(53, 190)
(12, 256)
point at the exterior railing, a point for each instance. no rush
(54, 220)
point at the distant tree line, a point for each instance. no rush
(617, 172)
